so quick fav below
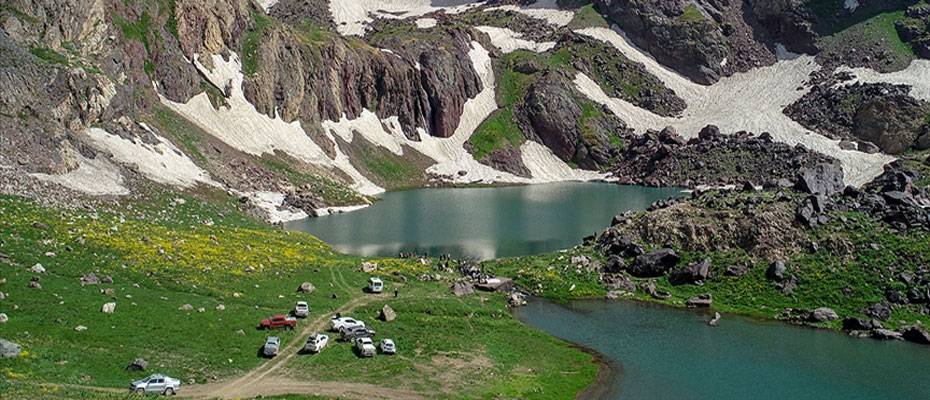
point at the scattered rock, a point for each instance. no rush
(822, 314)
(859, 324)
(37, 269)
(737, 270)
(9, 349)
(516, 299)
(306, 287)
(80, 328)
(34, 285)
(108, 308)
(138, 364)
(693, 273)
(201, 309)
(186, 307)
(387, 314)
(368, 267)
(462, 288)
(879, 311)
(822, 178)
(700, 301)
(220, 307)
(650, 288)
(3, 318)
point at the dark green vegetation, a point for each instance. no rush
(387, 169)
(168, 254)
(251, 42)
(857, 258)
(588, 17)
(870, 29)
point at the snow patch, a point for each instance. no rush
(546, 10)
(267, 4)
(161, 162)
(426, 23)
(508, 41)
(751, 101)
(916, 75)
(240, 125)
(94, 176)
(270, 206)
(352, 17)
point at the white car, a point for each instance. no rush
(388, 347)
(337, 324)
(156, 383)
(365, 347)
(375, 285)
(272, 344)
(316, 343)
(301, 309)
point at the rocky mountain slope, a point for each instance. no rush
(303, 107)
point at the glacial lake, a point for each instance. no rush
(481, 223)
(659, 353)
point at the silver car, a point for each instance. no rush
(272, 344)
(156, 383)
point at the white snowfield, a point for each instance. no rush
(267, 4)
(917, 75)
(352, 17)
(508, 41)
(94, 176)
(161, 162)
(751, 101)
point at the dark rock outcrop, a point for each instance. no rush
(693, 273)
(821, 179)
(654, 264)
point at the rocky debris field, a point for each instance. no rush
(710, 159)
(868, 117)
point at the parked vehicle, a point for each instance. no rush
(375, 285)
(156, 383)
(301, 309)
(316, 343)
(272, 345)
(339, 323)
(365, 347)
(387, 346)
(348, 335)
(278, 321)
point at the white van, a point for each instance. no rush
(375, 285)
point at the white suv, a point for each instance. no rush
(337, 324)
(301, 309)
(365, 347)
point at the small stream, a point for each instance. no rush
(660, 352)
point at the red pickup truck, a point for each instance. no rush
(278, 321)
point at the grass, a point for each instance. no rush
(135, 30)
(872, 25)
(162, 255)
(49, 56)
(251, 42)
(184, 133)
(390, 170)
(497, 132)
(691, 14)
(588, 17)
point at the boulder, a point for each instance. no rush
(138, 364)
(37, 269)
(108, 308)
(737, 270)
(654, 264)
(650, 288)
(859, 324)
(90, 279)
(3, 318)
(715, 320)
(777, 271)
(700, 301)
(886, 334)
(822, 178)
(822, 314)
(9, 349)
(916, 334)
(186, 307)
(879, 311)
(462, 288)
(306, 287)
(867, 147)
(615, 264)
(516, 299)
(368, 267)
(848, 145)
(387, 314)
(693, 273)
(34, 284)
